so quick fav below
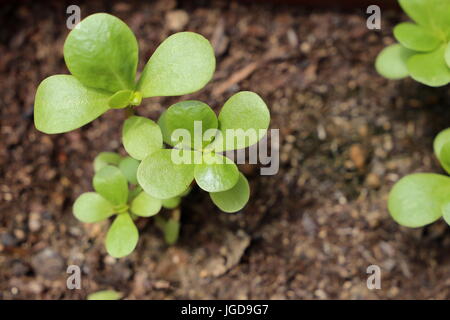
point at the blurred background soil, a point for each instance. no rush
(309, 232)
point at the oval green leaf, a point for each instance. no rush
(91, 207)
(216, 173)
(194, 117)
(122, 236)
(105, 158)
(144, 205)
(141, 137)
(163, 176)
(430, 68)
(105, 295)
(111, 184)
(63, 104)
(243, 121)
(102, 52)
(416, 37)
(441, 146)
(182, 64)
(129, 166)
(416, 200)
(391, 62)
(234, 199)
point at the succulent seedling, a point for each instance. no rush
(422, 198)
(102, 54)
(423, 51)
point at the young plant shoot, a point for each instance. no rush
(422, 198)
(423, 51)
(102, 55)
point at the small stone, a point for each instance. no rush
(18, 268)
(177, 19)
(8, 240)
(48, 263)
(373, 180)
(358, 155)
(34, 221)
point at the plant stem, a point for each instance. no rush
(129, 111)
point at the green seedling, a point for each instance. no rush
(105, 295)
(422, 198)
(117, 193)
(423, 51)
(198, 149)
(101, 53)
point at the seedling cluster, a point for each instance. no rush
(102, 55)
(422, 198)
(423, 51)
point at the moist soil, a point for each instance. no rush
(308, 232)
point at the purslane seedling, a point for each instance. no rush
(165, 157)
(422, 198)
(105, 295)
(423, 51)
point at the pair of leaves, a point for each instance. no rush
(419, 199)
(102, 55)
(111, 197)
(423, 51)
(242, 121)
(166, 173)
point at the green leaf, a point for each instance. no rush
(417, 10)
(243, 121)
(447, 55)
(444, 157)
(391, 62)
(129, 166)
(183, 115)
(430, 68)
(234, 199)
(63, 104)
(165, 177)
(111, 184)
(182, 64)
(171, 231)
(141, 137)
(441, 146)
(432, 14)
(105, 158)
(122, 237)
(216, 173)
(105, 295)
(416, 37)
(102, 52)
(416, 200)
(144, 205)
(171, 203)
(440, 18)
(121, 99)
(446, 212)
(91, 207)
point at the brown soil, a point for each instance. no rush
(309, 232)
